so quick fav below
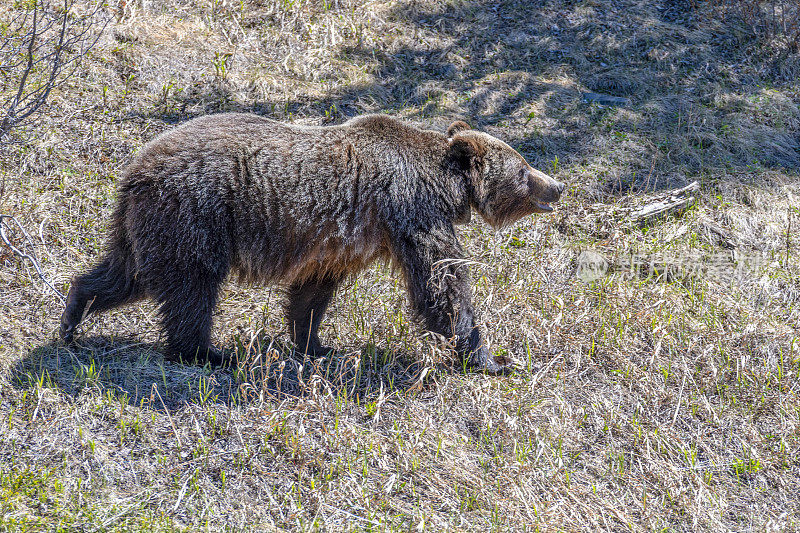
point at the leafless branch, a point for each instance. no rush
(20, 229)
(40, 49)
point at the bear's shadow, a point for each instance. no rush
(136, 370)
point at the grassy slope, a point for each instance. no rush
(645, 402)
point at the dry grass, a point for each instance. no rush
(664, 401)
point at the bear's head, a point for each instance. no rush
(503, 187)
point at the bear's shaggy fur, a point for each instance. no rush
(304, 207)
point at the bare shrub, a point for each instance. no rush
(773, 22)
(40, 48)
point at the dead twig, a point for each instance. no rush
(23, 255)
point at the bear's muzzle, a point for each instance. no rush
(545, 190)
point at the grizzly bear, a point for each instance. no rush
(304, 207)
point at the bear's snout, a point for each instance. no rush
(554, 191)
(545, 190)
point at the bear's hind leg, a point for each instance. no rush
(187, 300)
(305, 307)
(109, 284)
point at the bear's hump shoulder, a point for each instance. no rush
(386, 127)
(376, 123)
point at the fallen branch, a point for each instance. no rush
(674, 202)
(23, 255)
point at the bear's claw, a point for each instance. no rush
(67, 330)
(483, 361)
(498, 365)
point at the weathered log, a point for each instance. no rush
(673, 202)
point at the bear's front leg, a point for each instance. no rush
(440, 290)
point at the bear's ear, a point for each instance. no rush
(467, 152)
(456, 127)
